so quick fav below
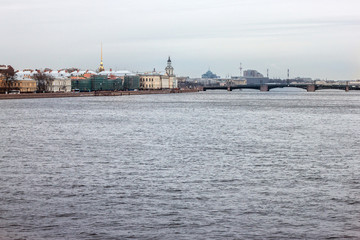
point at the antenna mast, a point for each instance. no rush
(240, 69)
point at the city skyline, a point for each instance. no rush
(316, 39)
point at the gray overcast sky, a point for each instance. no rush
(313, 38)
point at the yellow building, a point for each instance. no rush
(25, 86)
(150, 81)
(22, 82)
(154, 80)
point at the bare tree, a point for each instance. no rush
(63, 86)
(44, 81)
(9, 78)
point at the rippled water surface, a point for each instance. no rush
(208, 165)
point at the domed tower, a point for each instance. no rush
(169, 69)
(101, 68)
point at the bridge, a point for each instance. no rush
(307, 86)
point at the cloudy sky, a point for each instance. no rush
(313, 38)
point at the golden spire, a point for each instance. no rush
(101, 68)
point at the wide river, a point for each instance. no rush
(207, 165)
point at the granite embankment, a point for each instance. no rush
(91, 94)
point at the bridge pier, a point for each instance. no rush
(229, 89)
(310, 88)
(264, 88)
(346, 88)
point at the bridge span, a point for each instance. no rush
(307, 87)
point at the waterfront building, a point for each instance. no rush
(156, 80)
(81, 84)
(105, 82)
(23, 85)
(150, 81)
(130, 80)
(61, 85)
(61, 81)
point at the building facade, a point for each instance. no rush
(24, 86)
(61, 85)
(105, 83)
(150, 81)
(155, 80)
(253, 74)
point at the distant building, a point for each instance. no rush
(236, 82)
(252, 74)
(156, 80)
(205, 81)
(302, 79)
(254, 77)
(356, 82)
(209, 74)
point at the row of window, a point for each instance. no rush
(146, 85)
(19, 84)
(147, 79)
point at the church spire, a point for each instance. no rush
(101, 68)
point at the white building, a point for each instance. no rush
(61, 85)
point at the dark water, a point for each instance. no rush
(211, 165)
